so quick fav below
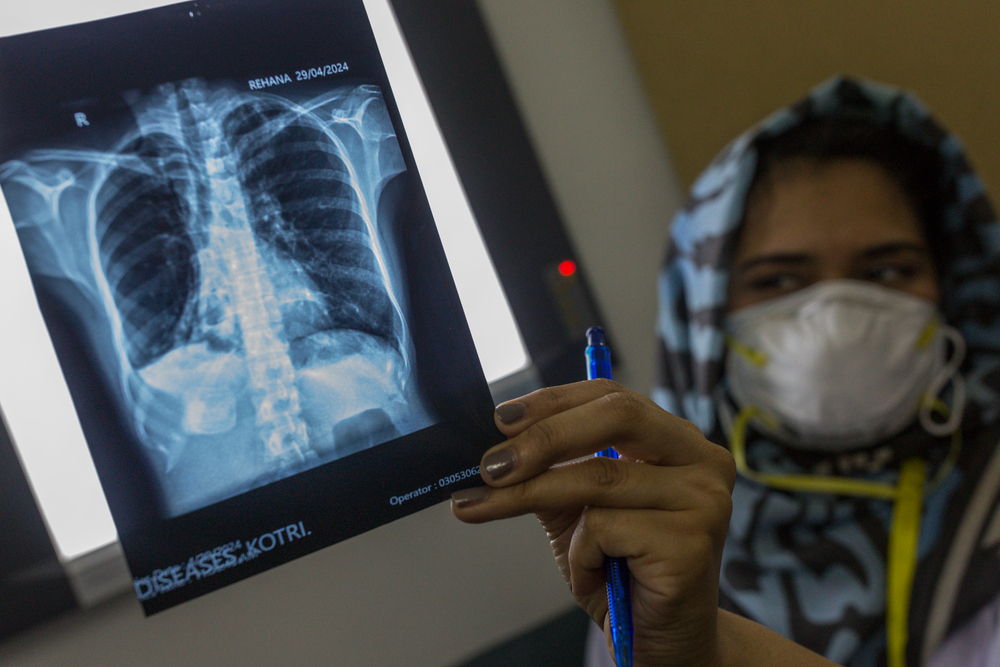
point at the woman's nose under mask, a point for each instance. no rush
(843, 364)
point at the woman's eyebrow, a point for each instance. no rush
(780, 258)
(895, 248)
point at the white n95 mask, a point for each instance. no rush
(842, 364)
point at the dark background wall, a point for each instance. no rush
(714, 67)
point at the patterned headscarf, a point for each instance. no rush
(813, 566)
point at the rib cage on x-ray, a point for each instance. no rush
(255, 320)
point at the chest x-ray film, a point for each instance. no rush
(222, 223)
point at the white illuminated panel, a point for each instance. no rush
(497, 338)
(34, 399)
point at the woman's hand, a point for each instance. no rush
(664, 506)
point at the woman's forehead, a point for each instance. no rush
(841, 205)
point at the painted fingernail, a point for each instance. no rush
(509, 413)
(469, 497)
(499, 463)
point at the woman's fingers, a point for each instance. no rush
(600, 482)
(514, 416)
(574, 421)
(603, 533)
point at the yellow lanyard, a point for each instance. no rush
(907, 495)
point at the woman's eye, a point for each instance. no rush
(890, 273)
(778, 282)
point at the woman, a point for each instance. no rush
(807, 310)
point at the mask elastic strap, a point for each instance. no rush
(798, 482)
(954, 449)
(904, 533)
(949, 373)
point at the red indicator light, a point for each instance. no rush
(567, 268)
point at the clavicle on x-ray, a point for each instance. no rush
(242, 257)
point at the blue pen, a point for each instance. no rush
(615, 569)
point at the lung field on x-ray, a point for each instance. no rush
(255, 324)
